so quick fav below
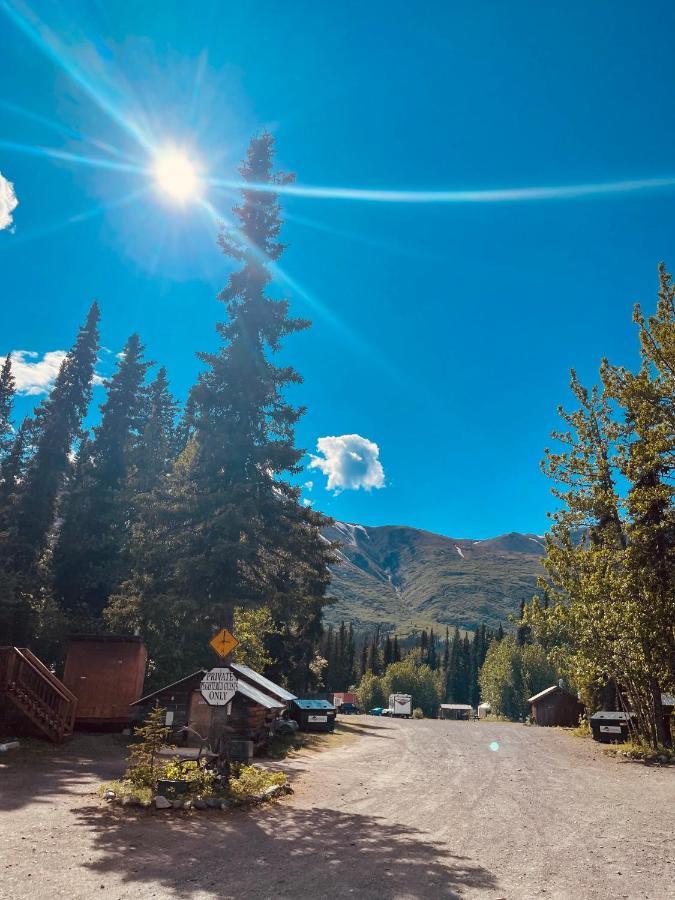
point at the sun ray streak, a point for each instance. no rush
(83, 216)
(488, 195)
(63, 130)
(318, 308)
(48, 42)
(66, 156)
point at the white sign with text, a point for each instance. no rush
(218, 686)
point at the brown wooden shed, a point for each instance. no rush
(555, 706)
(251, 718)
(106, 673)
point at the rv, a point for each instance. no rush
(400, 705)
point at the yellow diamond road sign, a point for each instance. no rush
(223, 643)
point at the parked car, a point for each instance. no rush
(377, 711)
(348, 709)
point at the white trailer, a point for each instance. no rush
(400, 705)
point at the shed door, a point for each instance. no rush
(200, 714)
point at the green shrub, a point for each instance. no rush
(145, 765)
(248, 780)
(417, 713)
(200, 781)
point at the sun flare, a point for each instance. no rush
(176, 176)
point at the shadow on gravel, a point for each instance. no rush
(38, 770)
(280, 852)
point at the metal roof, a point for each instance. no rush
(264, 683)
(258, 696)
(667, 700)
(456, 706)
(313, 704)
(167, 687)
(248, 690)
(546, 692)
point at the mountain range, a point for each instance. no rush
(405, 579)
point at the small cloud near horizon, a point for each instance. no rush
(350, 462)
(8, 202)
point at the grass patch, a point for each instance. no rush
(640, 749)
(125, 788)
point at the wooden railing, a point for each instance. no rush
(37, 692)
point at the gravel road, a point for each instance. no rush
(405, 809)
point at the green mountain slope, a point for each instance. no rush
(405, 579)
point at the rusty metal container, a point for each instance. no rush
(106, 673)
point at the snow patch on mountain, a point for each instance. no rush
(460, 551)
(348, 532)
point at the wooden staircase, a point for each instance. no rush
(36, 694)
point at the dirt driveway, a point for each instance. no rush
(407, 810)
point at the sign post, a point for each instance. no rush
(218, 687)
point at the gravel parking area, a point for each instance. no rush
(405, 809)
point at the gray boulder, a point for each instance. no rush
(162, 802)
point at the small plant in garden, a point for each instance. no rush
(199, 780)
(145, 764)
(417, 713)
(247, 780)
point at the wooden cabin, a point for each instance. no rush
(251, 717)
(458, 711)
(106, 674)
(555, 706)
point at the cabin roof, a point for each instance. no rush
(258, 696)
(555, 688)
(667, 700)
(261, 682)
(167, 687)
(313, 704)
(456, 706)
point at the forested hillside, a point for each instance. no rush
(408, 579)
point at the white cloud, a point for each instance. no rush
(350, 462)
(32, 374)
(309, 485)
(8, 202)
(306, 501)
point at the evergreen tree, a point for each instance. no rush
(159, 442)
(51, 432)
(374, 663)
(225, 529)
(396, 650)
(454, 673)
(7, 389)
(446, 652)
(432, 655)
(363, 665)
(90, 560)
(388, 655)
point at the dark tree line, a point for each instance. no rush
(161, 521)
(457, 659)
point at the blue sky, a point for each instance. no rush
(443, 332)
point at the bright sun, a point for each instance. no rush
(176, 175)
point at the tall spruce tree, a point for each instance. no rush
(52, 432)
(7, 389)
(224, 528)
(90, 559)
